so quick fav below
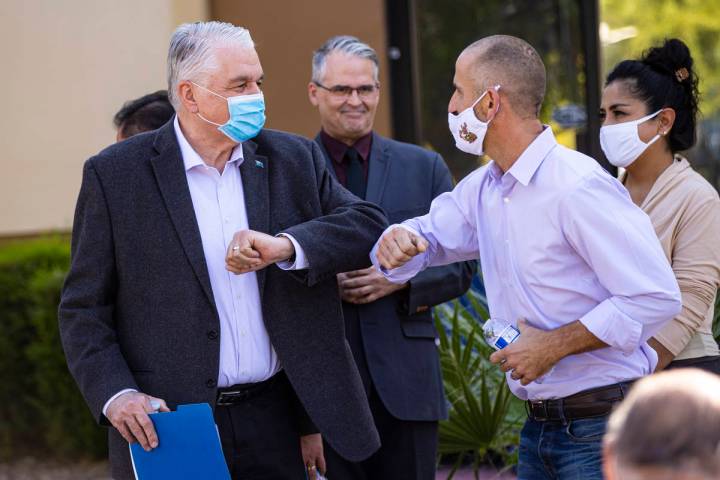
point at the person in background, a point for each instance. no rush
(565, 255)
(389, 326)
(143, 114)
(668, 428)
(649, 111)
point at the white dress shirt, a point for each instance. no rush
(558, 240)
(246, 354)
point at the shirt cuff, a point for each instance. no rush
(121, 392)
(613, 327)
(300, 263)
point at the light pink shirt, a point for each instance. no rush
(559, 240)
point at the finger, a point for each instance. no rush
(421, 245)
(138, 432)
(406, 242)
(321, 462)
(148, 429)
(497, 357)
(248, 252)
(125, 432)
(356, 282)
(398, 255)
(522, 324)
(163, 406)
(312, 473)
(506, 367)
(366, 299)
(354, 273)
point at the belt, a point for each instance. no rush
(595, 402)
(242, 392)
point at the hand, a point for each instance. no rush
(250, 251)
(665, 356)
(129, 414)
(398, 246)
(312, 453)
(365, 286)
(529, 357)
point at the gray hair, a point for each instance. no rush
(191, 51)
(343, 44)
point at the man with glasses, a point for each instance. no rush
(389, 327)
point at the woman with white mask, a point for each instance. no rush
(649, 109)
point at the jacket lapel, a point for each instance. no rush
(254, 173)
(170, 174)
(377, 174)
(328, 160)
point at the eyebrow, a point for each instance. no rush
(616, 105)
(246, 78)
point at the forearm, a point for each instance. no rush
(572, 339)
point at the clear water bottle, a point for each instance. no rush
(499, 333)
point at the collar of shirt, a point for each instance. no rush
(530, 160)
(191, 159)
(336, 149)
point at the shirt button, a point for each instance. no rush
(506, 200)
(242, 333)
(212, 334)
(227, 220)
(211, 383)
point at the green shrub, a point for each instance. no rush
(41, 410)
(485, 417)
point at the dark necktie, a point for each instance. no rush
(355, 173)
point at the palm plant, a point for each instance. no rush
(485, 417)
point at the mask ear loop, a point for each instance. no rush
(497, 89)
(650, 117)
(217, 95)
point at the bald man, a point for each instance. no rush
(565, 254)
(667, 429)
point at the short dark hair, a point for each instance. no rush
(516, 66)
(664, 78)
(143, 114)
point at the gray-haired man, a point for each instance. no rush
(389, 327)
(172, 296)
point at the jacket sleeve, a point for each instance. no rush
(339, 240)
(439, 284)
(696, 264)
(87, 302)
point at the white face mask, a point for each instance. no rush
(469, 131)
(621, 142)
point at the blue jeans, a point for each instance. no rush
(570, 451)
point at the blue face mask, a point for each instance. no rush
(247, 115)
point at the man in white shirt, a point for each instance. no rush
(172, 296)
(565, 255)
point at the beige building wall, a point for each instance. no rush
(286, 32)
(67, 67)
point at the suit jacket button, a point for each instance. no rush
(211, 383)
(212, 334)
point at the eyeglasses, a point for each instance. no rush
(346, 91)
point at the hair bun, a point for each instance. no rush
(672, 58)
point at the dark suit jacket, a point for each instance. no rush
(397, 343)
(137, 310)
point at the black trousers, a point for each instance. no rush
(408, 450)
(259, 435)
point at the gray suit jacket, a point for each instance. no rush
(137, 309)
(393, 343)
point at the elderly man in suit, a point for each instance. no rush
(389, 327)
(172, 296)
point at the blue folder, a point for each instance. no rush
(189, 447)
